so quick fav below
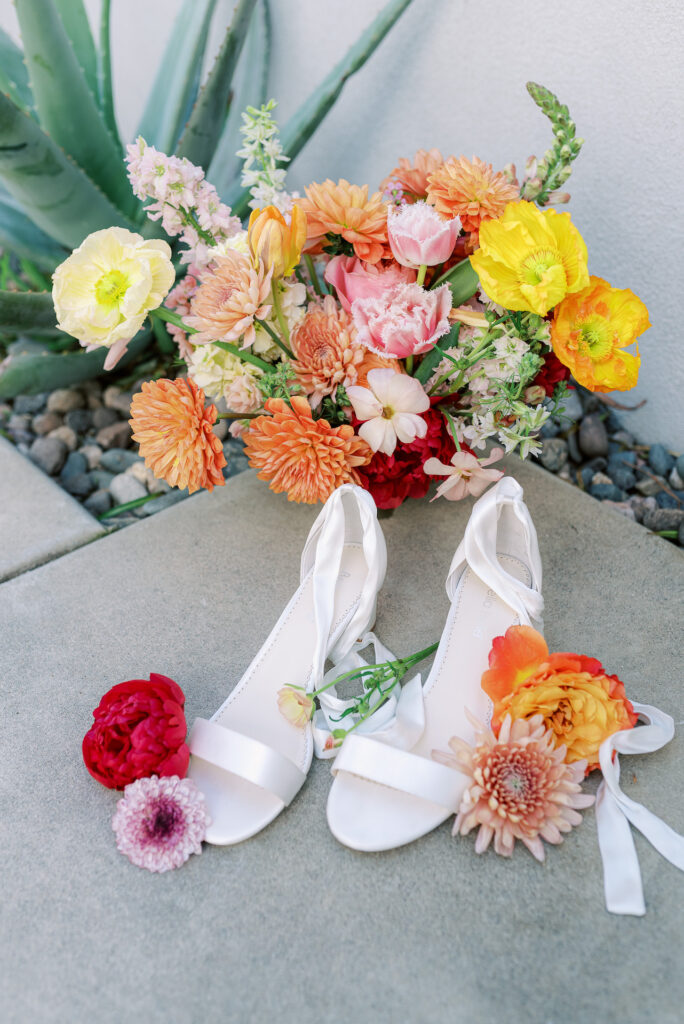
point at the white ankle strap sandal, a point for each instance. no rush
(249, 760)
(384, 796)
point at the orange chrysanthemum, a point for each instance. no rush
(326, 353)
(344, 209)
(307, 458)
(413, 177)
(469, 190)
(175, 434)
(372, 361)
(577, 700)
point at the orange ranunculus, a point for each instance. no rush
(175, 434)
(275, 242)
(590, 331)
(347, 210)
(307, 458)
(577, 700)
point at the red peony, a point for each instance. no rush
(551, 373)
(391, 479)
(139, 730)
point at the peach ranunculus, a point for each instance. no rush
(353, 279)
(389, 408)
(470, 190)
(590, 331)
(233, 294)
(175, 435)
(326, 351)
(347, 210)
(274, 241)
(413, 177)
(577, 700)
(307, 458)
(295, 705)
(405, 321)
(466, 474)
(418, 236)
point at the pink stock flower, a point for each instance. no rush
(465, 475)
(353, 279)
(419, 236)
(243, 394)
(390, 407)
(405, 321)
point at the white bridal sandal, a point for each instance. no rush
(249, 760)
(384, 794)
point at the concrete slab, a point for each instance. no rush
(290, 926)
(38, 520)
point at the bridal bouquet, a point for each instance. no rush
(383, 339)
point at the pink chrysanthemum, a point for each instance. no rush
(160, 822)
(520, 786)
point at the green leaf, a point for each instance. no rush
(29, 373)
(204, 128)
(250, 90)
(22, 312)
(435, 355)
(19, 235)
(304, 123)
(77, 27)
(462, 280)
(56, 194)
(66, 107)
(175, 86)
(105, 91)
(14, 79)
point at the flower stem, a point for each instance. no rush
(279, 342)
(312, 274)
(422, 271)
(284, 329)
(231, 415)
(162, 313)
(409, 365)
(243, 354)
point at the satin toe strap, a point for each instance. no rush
(398, 769)
(246, 757)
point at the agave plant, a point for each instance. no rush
(62, 173)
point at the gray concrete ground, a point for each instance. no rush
(38, 520)
(290, 926)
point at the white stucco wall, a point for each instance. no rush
(452, 74)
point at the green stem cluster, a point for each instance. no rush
(378, 682)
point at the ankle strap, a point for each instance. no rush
(482, 540)
(348, 516)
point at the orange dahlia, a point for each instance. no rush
(307, 458)
(413, 177)
(344, 209)
(174, 432)
(577, 700)
(469, 190)
(326, 353)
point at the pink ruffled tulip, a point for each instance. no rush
(353, 279)
(419, 237)
(405, 321)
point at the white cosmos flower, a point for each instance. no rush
(390, 407)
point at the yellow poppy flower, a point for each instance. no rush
(590, 331)
(530, 259)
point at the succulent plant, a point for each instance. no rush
(62, 173)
